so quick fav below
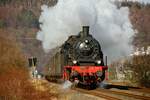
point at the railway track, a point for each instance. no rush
(113, 95)
(122, 94)
(116, 94)
(96, 93)
(143, 90)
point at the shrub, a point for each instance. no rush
(2, 23)
(14, 76)
(28, 19)
(4, 2)
(135, 69)
(141, 69)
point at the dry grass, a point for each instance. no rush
(135, 69)
(14, 78)
(141, 68)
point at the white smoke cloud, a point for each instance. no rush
(67, 85)
(108, 24)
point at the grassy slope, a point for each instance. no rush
(14, 77)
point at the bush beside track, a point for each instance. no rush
(14, 77)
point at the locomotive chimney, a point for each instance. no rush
(85, 31)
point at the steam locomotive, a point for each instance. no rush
(80, 59)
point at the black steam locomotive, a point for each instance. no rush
(79, 58)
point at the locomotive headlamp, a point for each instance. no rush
(98, 61)
(86, 41)
(74, 62)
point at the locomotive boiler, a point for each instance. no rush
(79, 58)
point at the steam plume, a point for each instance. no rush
(108, 24)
